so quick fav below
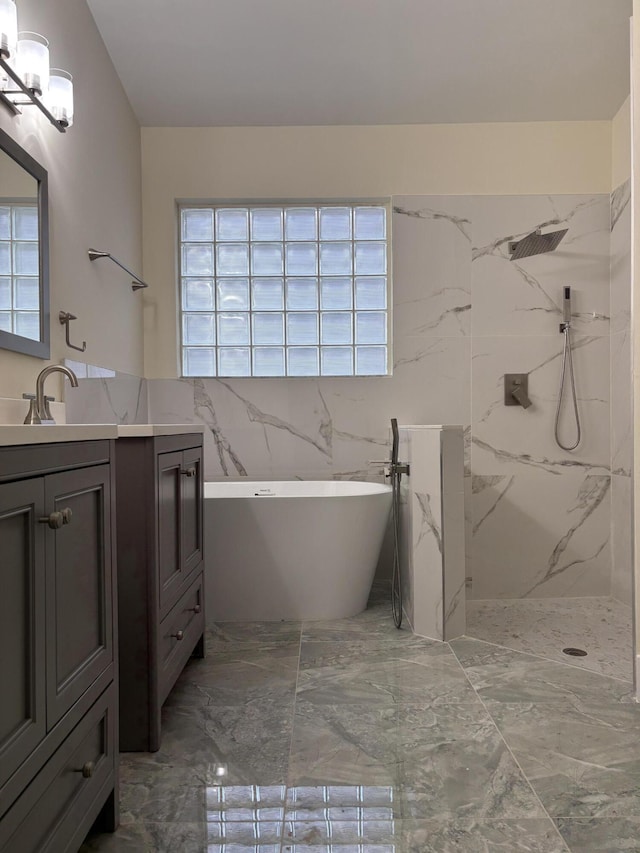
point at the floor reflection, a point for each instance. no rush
(304, 819)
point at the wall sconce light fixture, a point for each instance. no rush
(25, 73)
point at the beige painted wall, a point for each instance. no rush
(95, 199)
(621, 145)
(345, 162)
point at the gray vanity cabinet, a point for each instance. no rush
(58, 703)
(160, 575)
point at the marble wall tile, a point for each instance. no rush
(426, 559)
(541, 534)
(508, 439)
(454, 528)
(620, 249)
(120, 399)
(431, 270)
(463, 315)
(524, 297)
(621, 404)
(621, 539)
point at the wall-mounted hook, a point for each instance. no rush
(65, 318)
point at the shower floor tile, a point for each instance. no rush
(599, 626)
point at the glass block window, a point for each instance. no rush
(19, 270)
(284, 290)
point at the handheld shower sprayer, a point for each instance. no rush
(396, 441)
(567, 367)
(566, 306)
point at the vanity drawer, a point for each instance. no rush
(62, 800)
(177, 636)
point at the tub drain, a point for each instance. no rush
(576, 653)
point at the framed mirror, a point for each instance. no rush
(24, 251)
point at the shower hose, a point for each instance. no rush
(567, 368)
(396, 580)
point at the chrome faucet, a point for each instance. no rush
(39, 407)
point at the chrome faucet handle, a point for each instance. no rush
(32, 417)
(47, 411)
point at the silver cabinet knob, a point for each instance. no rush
(87, 770)
(179, 635)
(57, 519)
(196, 609)
(189, 472)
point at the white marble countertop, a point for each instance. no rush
(52, 433)
(11, 434)
(141, 430)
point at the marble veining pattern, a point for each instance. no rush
(353, 736)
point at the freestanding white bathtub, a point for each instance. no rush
(291, 550)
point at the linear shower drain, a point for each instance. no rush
(576, 653)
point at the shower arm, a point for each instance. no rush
(138, 284)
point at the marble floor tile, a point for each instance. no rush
(353, 647)
(352, 735)
(236, 679)
(601, 835)
(269, 636)
(431, 680)
(444, 762)
(480, 836)
(250, 742)
(600, 626)
(582, 759)
(503, 675)
(152, 837)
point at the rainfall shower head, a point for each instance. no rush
(536, 244)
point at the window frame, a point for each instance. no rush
(15, 203)
(317, 204)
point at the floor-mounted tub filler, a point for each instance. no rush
(291, 550)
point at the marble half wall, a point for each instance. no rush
(432, 530)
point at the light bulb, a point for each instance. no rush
(32, 61)
(60, 96)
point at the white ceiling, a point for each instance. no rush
(323, 62)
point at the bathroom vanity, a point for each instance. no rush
(159, 476)
(59, 695)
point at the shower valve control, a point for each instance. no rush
(516, 390)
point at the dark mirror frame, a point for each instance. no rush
(9, 341)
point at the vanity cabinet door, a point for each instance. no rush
(79, 585)
(22, 631)
(170, 573)
(191, 540)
